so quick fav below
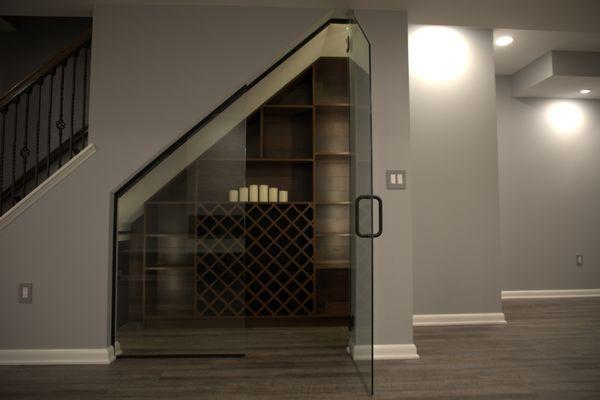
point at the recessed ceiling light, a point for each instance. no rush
(585, 91)
(504, 41)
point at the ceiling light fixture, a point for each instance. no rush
(504, 41)
(585, 91)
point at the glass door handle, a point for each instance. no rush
(357, 216)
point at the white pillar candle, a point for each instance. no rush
(263, 193)
(233, 196)
(253, 196)
(283, 196)
(243, 194)
(273, 195)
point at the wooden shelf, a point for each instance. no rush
(166, 235)
(170, 267)
(332, 264)
(307, 106)
(333, 105)
(332, 203)
(281, 160)
(178, 314)
(333, 154)
(332, 234)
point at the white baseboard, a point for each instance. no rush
(57, 356)
(458, 319)
(46, 185)
(549, 294)
(386, 352)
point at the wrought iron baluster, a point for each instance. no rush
(37, 131)
(14, 153)
(25, 152)
(3, 112)
(48, 148)
(73, 105)
(85, 79)
(60, 124)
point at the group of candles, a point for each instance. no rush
(258, 194)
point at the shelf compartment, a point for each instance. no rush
(287, 132)
(332, 180)
(331, 80)
(253, 139)
(177, 189)
(331, 130)
(167, 219)
(333, 220)
(169, 294)
(297, 92)
(332, 291)
(169, 250)
(334, 309)
(295, 178)
(332, 249)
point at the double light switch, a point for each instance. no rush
(395, 179)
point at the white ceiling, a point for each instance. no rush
(531, 45)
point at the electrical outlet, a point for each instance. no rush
(25, 292)
(579, 259)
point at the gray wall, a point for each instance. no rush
(156, 71)
(393, 280)
(455, 186)
(549, 194)
(33, 43)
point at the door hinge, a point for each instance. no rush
(350, 322)
(347, 44)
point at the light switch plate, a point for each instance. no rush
(395, 179)
(25, 292)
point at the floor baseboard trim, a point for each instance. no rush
(549, 294)
(57, 356)
(386, 352)
(458, 319)
(46, 186)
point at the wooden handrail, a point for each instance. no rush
(55, 61)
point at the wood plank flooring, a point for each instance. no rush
(550, 350)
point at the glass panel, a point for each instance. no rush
(361, 271)
(181, 246)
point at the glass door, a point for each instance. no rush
(361, 191)
(180, 240)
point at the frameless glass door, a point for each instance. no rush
(181, 247)
(361, 188)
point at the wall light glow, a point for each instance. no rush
(565, 117)
(438, 54)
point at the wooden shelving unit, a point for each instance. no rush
(205, 258)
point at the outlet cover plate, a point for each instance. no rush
(25, 292)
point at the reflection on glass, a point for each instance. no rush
(361, 286)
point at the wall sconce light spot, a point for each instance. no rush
(565, 117)
(438, 54)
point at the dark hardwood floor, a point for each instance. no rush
(550, 350)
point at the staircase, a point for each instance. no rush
(44, 122)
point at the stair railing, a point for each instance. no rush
(44, 121)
